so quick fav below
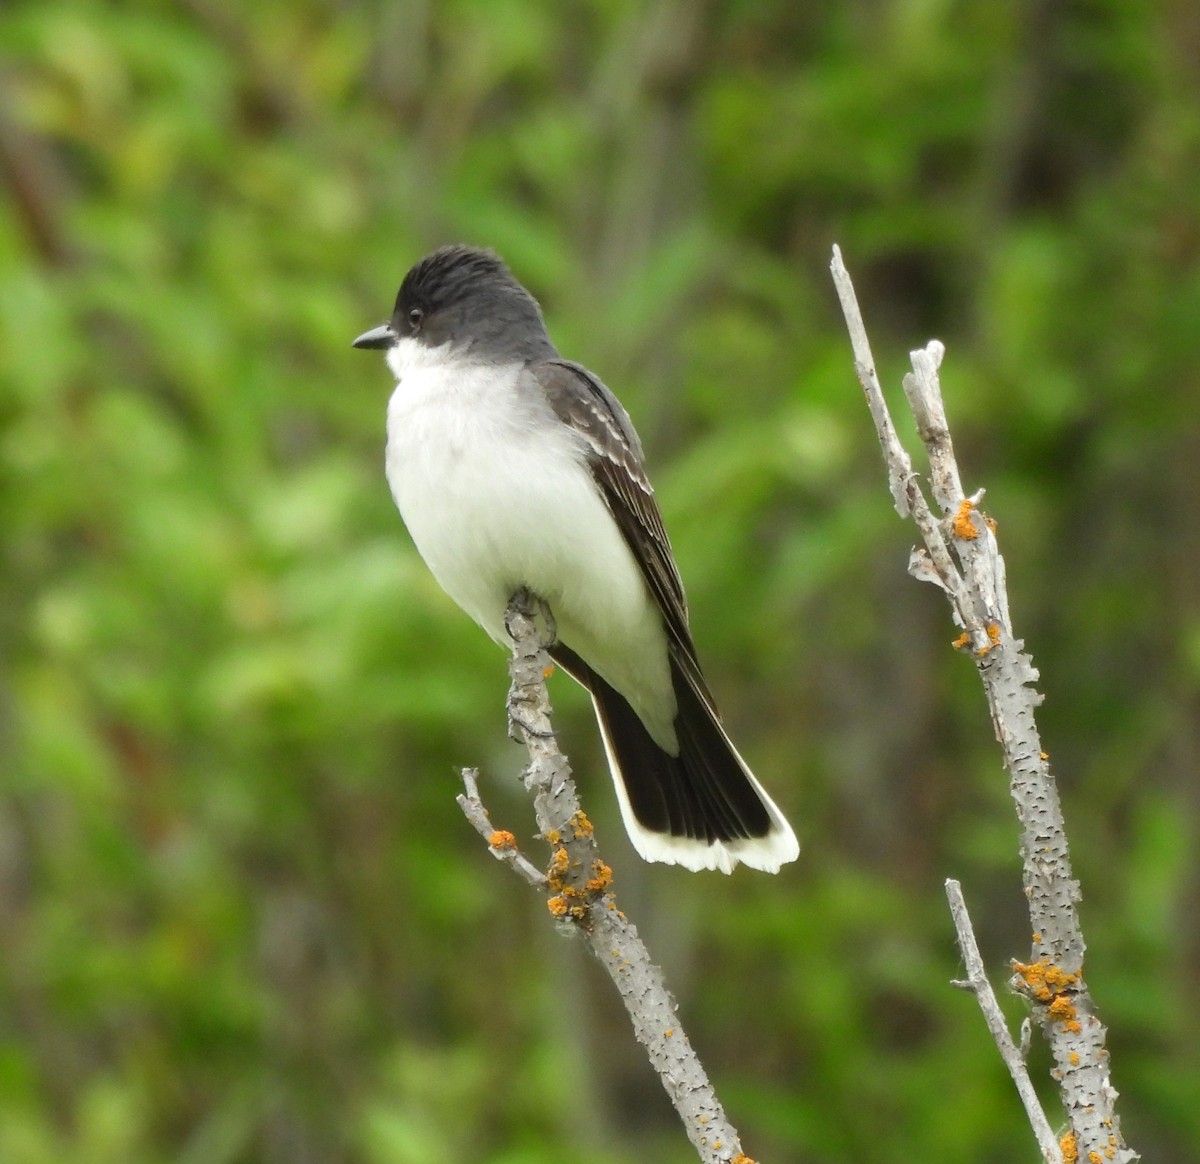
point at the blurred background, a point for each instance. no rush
(241, 916)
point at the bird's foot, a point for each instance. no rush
(525, 718)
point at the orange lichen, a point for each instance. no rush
(1073, 1058)
(668, 1032)
(991, 523)
(602, 880)
(962, 642)
(993, 634)
(557, 906)
(552, 836)
(581, 826)
(1044, 979)
(1059, 979)
(1037, 937)
(1095, 1157)
(1049, 984)
(1069, 1147)
(1033, 974)
(1061, 1009)
(560, 862)
(502, 839)
(962, 525)
(741, 1158)
(547, 671)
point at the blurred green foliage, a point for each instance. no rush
(241, 918)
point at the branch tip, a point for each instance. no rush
(970, 569)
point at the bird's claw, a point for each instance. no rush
(522, 719)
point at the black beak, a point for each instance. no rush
(378, 337)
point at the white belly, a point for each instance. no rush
(496, 495)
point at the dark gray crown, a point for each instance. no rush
(467, 296)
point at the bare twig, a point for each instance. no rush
(977, 982)
(502, 843)
(580, 888)
(902, 479)
(962, 556)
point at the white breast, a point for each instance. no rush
(496, 494)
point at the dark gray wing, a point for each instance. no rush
(703, 791)
(584, 404)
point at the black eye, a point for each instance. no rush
(415, 317)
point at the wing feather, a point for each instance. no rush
(614, 453)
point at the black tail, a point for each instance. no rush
(701, 808)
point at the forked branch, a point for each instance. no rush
(578, 884)
(961, 555)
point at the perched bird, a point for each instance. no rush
(513, 467)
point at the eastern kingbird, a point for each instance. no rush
(513, 467)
